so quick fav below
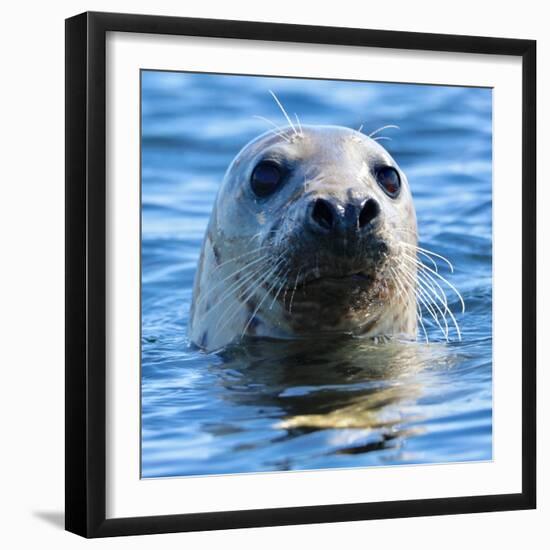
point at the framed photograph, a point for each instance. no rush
(300, 274)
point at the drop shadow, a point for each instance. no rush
(54, 518)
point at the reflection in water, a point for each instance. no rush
(341, 384)
(275, 405)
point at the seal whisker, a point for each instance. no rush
(259, 305)
(284, 297)
(299, 124)
(427, 302)
(266, 234)
(246, 266)
(256, 236)
(439, 276)
(421, 267)
(236, 285)
(446, 307)
(294, 290)
(426, 252)
(418, 312)
(402, 289)
(381, 137)
(283, 280)
(249, 292)
(287, 289)
(283, 111)
(423, 300)
(430, 298)
(419, 317)
(239, 257)
(272, 266)
(387, 126)
(246, 283)
(406, 287)
(436, 267)
(278, 131)
(427, 280)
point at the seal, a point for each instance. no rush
(313, 233)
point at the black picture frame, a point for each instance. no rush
(86, 269)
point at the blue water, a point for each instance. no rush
(279, 406)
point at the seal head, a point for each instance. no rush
(306, 238)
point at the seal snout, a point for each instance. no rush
(330, 217)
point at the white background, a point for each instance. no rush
(127, 495)
(31, 285)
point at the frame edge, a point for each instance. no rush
(76, 494)
(529, 272)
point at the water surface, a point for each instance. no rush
(273, 406)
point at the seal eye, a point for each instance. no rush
(265, 179)
(388, 178)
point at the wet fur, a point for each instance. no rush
(262, 273)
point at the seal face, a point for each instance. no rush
(307, 237)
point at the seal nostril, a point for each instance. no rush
(323, 214)
(370, 210)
